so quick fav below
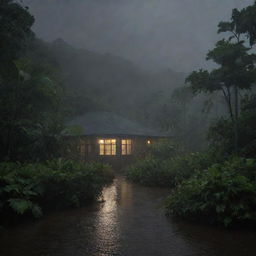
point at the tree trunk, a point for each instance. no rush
(227, 97)
(236, 120)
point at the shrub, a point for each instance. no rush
(224, 194)
(149, 171)
(163, 150)
(19, 189)
(30, 189)
(73, 184)
(168, 172)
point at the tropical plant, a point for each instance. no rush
(225, 194)
(33, 189)
(168, 172)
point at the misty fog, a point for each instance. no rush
(152, 33)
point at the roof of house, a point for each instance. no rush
(107, 123)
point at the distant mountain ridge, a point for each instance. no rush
(106, 82)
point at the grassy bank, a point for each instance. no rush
(30, 190)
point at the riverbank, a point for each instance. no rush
(222, 194)
(131, 221)
(205, 186)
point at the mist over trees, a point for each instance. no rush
(60, 81)
(104, 82)
(33, 113)
(46, 83)
(217, 185)
(154, 34)
(235, 75)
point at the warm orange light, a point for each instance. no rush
(107, 147)
(149, 142)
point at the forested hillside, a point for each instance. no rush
(104, 82)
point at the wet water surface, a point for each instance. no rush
(131, 222)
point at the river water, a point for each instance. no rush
(129, 221)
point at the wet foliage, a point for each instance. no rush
(166, 166)
(30, 190)
(221, 135)
(31, 106)
(224, 194)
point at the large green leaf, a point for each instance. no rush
(20, 205)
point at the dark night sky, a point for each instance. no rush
(152, 33)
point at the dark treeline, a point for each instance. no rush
(217, 185)
(31, 93)
(34, 104)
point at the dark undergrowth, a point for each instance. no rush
(166, 166)
(205, 188)
(31, 190)
(224, 194)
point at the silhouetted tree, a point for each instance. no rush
(236, 67)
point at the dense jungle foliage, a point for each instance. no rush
(30, 190)
(33, 113)
(218, 185)
(223, 194)
(166, 165)
(31, 95)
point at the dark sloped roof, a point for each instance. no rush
(106, 123)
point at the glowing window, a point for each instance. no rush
(126, 147)
(107, 147)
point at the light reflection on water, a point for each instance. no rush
(129, 222)
(107, 226)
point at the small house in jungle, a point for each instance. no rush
(107, 137)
